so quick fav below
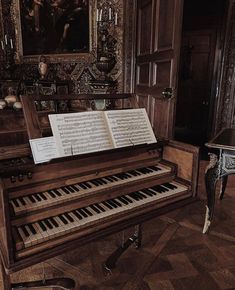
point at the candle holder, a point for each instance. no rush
(8, 54)
(107, 20)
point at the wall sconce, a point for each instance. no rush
(8, 53)
(107, 21)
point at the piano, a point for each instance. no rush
(50, 208)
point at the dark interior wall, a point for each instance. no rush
(201, 14)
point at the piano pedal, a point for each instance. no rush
(112, 259)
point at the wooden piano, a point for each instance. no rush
(51, 208)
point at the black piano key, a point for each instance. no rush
(16, 203)
(32, 229)
(83, 186)
(95, 183)
(65, 190)
(114, 178)
(71, 189)
(22, 200)
(148, 192)
(137, 172)
(163, 188)
(26, 233)
(169, 185)
(122, 200)
(57, 192)
(134, 195)
(133, 173)
(82, 212)
(109, 201)
(99, 207)
(32, 199)
(99, 181)
(54, 222)
(52, 194)
(69, 217)
(38, 198)
(87, 185)
(103, 180)
(42, 226)
(139, 195)
(48, 224)
(155, 168)
(63, 219)
(116, 202)
(107, 205)
(158, 188)
(87, 211)
(120, 176)
(43, 196)
(142, 194)
(74, 188)
(127, 198)
(141, 170)
(97, 210)
(77, 214)
(109, 178)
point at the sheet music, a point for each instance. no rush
(43, 149)
(79, 133)
(129, 127)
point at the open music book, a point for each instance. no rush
(92, 131)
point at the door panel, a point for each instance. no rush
(158, 43)
(196, 71)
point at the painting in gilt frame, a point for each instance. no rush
(53, 27)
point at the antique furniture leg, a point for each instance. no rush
(5, 278)
(135, 238)
(223, 186)
(211, 177)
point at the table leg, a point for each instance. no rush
(223, 187)
(211, 177)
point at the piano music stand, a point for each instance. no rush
(222, 164)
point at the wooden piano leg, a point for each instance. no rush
(5, 278)
(135, 238)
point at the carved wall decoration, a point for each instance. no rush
(79, 68)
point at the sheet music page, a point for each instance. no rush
(129, 127)
(43, 149)
(79, 133)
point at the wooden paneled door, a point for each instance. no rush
(157, 56)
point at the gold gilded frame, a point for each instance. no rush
(54, 58)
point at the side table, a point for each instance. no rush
(222, 164)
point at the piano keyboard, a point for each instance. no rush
(49, 228)
(39, 200)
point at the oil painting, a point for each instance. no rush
(54, 26)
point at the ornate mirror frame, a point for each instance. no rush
(54, 58)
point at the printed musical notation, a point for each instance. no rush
(85, 132)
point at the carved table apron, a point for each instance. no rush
(222, 164)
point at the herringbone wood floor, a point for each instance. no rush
(175, 255)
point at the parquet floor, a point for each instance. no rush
(175, 255)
